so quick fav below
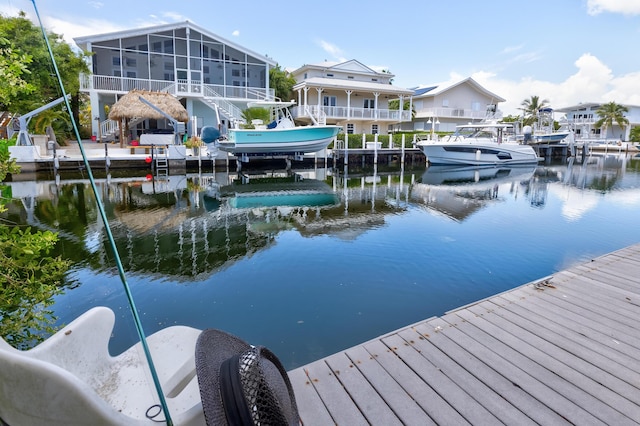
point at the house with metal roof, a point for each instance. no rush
(351, 95)
(443, 107)
(208, 73)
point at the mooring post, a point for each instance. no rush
(375, 149)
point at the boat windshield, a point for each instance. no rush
(480, 131)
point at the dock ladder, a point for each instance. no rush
(161, 160)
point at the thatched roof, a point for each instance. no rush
(130, 106)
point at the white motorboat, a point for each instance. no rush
(478, 144)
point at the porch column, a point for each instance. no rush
(306, 100)
(319, 90)
(375, 109)
(410, 108)
(349, 92)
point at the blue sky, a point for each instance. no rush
(565, 51)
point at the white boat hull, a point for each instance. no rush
(478, 154)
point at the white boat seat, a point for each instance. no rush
(71, 379)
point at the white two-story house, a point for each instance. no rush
(351, 95)
(443, 107)
(582, 118)
(208, 73)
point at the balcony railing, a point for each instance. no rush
(460, 113)
(106, 83)
(343, 113)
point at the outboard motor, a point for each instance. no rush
(210, 136)
(527, 132)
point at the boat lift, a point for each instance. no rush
(23, 134)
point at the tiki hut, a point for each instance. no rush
(130, 106)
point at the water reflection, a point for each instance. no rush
(305, 262)
(460, 191)
(187, 225)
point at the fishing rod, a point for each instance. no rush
(105, 221)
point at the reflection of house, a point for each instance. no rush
(582, 118)
(199, 67)
(349, 94)
(442, 108)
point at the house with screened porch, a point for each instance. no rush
(209, 74)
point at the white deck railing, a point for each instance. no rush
(340, 113)
(106, 83)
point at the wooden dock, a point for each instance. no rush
(561, 350)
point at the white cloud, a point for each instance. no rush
(511, 49)
(236, 33)
(626, 7)
(333, 50)
(592, 82)
(96, 4)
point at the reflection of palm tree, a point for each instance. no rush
(530, 108)
(609, 113)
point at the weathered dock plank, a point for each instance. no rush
(563, 350)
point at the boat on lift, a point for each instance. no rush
(280, 137)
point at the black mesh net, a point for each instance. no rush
(263, 404)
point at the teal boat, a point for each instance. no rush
(280, 137)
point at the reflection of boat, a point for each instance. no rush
(459, 191)
(478, 144)
(280, 137)
(464, 175)
(288, 191)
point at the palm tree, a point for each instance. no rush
(609, 113)
(530, 108)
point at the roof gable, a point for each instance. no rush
(353, 66)
(438, 89)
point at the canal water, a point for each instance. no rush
(313, 261)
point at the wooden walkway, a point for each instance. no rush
(561, 350)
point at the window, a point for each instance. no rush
(349, 77)
(116, 73)
(116, 61)
(370, 103)
(329, 101)
(445, 103)
(157, 47)
(350, 128)
(329, 75)
(235, 73)
(130, 62)
(374, 79)
(168, 46)
(131, 74)
(374, 129)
